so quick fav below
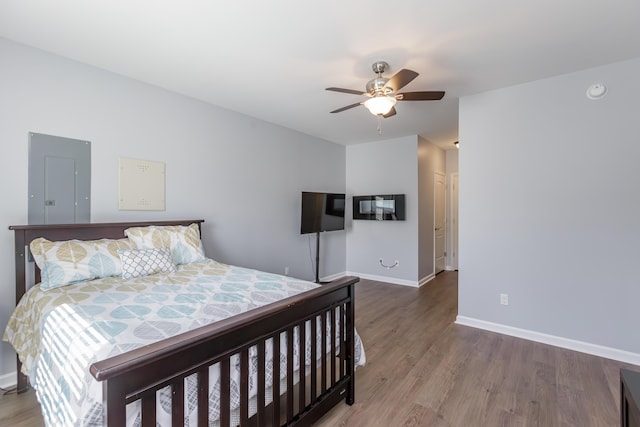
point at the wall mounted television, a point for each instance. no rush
(321, 212)
(385, 207)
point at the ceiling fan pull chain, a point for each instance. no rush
(379, 125)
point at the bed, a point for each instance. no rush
(231, 346)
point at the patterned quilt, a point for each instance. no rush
(59, 333)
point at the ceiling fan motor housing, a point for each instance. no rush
(377, 86)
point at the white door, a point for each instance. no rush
(439, 222)
(454, 221)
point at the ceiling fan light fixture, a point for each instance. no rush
(380, 105)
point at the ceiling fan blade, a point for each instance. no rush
(339, 110)
(420, 96)
(391, 113)
(401, 79)
(339, 89)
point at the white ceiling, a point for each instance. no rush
(273, 59)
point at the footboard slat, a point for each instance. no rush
(333, 347)
(276, 380)
(149, 410)
(244, 387)
(305, 323)
(177, 402)
(323, 322)
(290, 338)
(225, 390)
(342, 346)
(261, 384)
(314, 364)
(349, 320)
(203, 396)
(302, 384)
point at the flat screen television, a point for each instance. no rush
(322, 212)
(385, 207)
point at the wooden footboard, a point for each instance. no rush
(140, 374)
(300, 399)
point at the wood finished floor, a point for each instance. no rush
(424, 370)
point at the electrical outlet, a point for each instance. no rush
(504, 299)
(286, 271)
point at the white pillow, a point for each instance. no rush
(142, 262)
(184, 241)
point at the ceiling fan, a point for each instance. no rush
(383, 92)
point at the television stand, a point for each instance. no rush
(318, 260)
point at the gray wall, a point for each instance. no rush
(451, 161)
(550, 207)
(431, 159)
(384, 167)
(243, 176)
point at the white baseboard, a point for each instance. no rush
(333, 276)
(581, 346)
(385, 279)
(8, 380)
(426, 280)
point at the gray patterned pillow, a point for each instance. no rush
(142, 262)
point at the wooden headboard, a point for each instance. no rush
(24, 234)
